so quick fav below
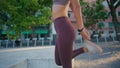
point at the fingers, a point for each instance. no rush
(88, 35)
(85, 34)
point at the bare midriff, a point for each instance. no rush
(59, 10)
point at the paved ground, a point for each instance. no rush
(9, 57)
(110, 58)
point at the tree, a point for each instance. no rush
(20, 15)
(113, 4)
(44, 3)
(93, 12)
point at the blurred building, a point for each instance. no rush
(106, 27)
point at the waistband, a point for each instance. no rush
(62, 17)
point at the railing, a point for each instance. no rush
(43, 42)
(25, 43)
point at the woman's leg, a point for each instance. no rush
(78, 52)
(65, 51)
(57, 57)
(75, 53)
(65, 38)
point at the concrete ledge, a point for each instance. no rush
(37, 63)
(42, 63)
(33, 57)
(21, 64)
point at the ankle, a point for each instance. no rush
(85, 49)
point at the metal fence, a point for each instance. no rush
(45, 42)
(25, 43)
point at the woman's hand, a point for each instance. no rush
(85, 34)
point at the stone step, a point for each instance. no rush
(21, 64)
(37, 63)
(42, 63)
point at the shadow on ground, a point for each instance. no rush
(110, 58)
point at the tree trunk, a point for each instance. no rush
(115, 22)
(33, 32)
(21, 41)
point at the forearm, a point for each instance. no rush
(78, 14)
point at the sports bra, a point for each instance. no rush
(62, 2)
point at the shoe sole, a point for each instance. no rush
(98, 48)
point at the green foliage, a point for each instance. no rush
(20, 15)
(44, 3)
(93, 12)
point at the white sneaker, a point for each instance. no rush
(92, 47)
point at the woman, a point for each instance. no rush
(66, 32)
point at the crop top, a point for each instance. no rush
(62, 2)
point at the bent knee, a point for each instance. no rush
(59, 64)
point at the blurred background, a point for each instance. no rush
(26, 23)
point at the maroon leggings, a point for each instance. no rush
(64, 42)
